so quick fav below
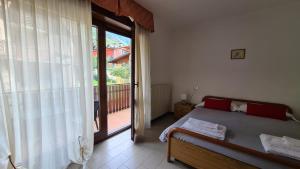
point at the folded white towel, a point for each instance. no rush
(205, 128)
(276, 145)
(202, 124)
(291, 141)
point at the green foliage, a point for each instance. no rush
(116, 74)
(121, 71)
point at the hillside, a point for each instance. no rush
(114, 40)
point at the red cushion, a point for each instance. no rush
(267, 110)
(219, 104)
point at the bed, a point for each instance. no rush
(242, 147)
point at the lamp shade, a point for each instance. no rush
(183, 96)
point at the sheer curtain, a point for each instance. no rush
(143, 91)
(46, 106)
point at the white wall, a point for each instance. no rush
(270, 72)
(160, 73)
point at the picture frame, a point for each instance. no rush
(238, 53)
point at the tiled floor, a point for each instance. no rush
(117, 120)
(120, 152)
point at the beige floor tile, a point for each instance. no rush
(119, 152)
(117, 162)
(123, 167)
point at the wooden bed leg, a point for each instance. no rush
(169, 155)
(169, 159)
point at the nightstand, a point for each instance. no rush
(183, 108)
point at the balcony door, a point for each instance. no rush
(113, 79)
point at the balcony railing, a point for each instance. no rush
(118, 97)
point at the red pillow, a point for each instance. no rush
(267, 110)
(219, 104)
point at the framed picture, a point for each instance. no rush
(238, 53)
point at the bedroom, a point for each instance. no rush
(175, 63)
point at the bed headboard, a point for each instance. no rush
(250, 101)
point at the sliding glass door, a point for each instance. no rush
(113, 81)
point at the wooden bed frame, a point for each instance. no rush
(200, 157)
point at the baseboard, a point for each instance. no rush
(161, 116)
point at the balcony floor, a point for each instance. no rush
(117, 120)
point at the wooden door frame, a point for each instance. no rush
(102, 27)
(102, 133)
(133, 83)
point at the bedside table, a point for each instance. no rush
(182, 108)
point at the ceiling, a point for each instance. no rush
(183, 12)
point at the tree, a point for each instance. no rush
(121, 72)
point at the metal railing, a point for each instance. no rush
(118, 97)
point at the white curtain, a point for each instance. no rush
(46, 104)
(143, 78)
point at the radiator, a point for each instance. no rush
(160, 99)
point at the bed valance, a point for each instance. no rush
(129, 8)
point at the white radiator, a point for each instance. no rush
(160, 99)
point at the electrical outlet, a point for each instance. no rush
(196, 87)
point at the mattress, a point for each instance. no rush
(242, 130)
